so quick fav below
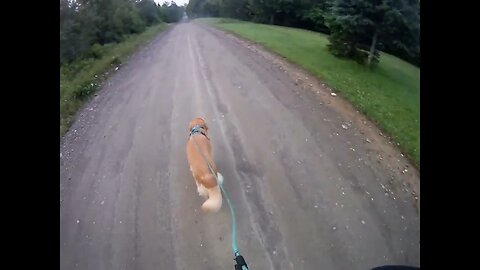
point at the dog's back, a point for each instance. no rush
(198, 161)
(199, 155)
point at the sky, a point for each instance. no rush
(178, 2)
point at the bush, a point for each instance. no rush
(341, 45)
(85, 90)
(96, 51)
(115, 61)
(315, 18)
(344, 46)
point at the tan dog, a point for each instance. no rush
(206, 183)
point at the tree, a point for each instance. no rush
(172, 13)
(264, 11)
(192, 8)
(210, 8)
(128, 21)
(84, 23)
(67, 35)
(148, 11)
(315, 16)
(357, 26)
(204, 8)
(78, 29)
(403, 36)
(237, 9)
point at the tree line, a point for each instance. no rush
(87, 24)
(357, 29)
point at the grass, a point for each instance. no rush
(388, 94)
(81, 78)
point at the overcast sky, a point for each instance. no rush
(178, 2)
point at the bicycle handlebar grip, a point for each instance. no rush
(241, 264)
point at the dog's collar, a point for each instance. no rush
(197, 129)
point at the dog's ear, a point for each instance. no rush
(204, 123)
(190, 125)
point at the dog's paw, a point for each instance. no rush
(219, 178)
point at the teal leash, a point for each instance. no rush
(241, 264)
(234, 221)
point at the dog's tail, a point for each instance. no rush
(214, 202)
(219, 178)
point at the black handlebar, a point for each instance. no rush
(241, 264)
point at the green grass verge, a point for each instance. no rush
(80, 79)
(388, 94)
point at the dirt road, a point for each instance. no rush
(314, 184)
